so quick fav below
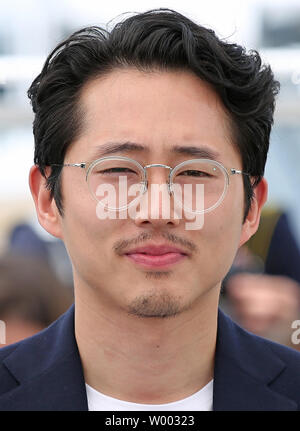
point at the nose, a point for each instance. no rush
(156, 206)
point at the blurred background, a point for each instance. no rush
(262, 290)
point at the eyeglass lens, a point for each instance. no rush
(196, 185)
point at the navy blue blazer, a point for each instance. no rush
(44, 372)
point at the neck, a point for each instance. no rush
(147, 360)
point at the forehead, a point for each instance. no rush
(157, 109)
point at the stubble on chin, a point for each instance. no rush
(156, 304)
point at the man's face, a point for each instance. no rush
(156, 110)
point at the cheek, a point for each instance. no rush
(84, 235)
(219, 239)
(89, 244)
(83, 228)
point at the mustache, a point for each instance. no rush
(123, 244)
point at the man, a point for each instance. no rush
(26, 306)
(157, 101)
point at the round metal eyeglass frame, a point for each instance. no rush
(172, 171)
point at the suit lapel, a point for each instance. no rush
(244, 371)
(59, 388)
(48, 370)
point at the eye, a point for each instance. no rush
(195, 173)
(116, 170)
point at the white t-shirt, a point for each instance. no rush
(200, 401)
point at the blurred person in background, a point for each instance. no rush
(262, 289)
(145, 332)
(29, 239)
(31, 296)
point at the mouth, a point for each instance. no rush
(153, 256)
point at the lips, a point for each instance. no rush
(156, 255)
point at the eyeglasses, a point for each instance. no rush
(126, 180)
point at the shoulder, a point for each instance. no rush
(291, 358)
(287, 354)
(256, 344)
(276, 364)
(28, 358)
(287, 383)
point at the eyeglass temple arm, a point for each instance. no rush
(76, 165)
(236, 171)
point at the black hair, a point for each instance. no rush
(157, 39)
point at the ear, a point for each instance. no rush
(46, 209)
(251, 223)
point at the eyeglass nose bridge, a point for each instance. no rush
(157, 165)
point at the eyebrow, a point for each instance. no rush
(108, 148)
(202, 152)
(118, 147)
